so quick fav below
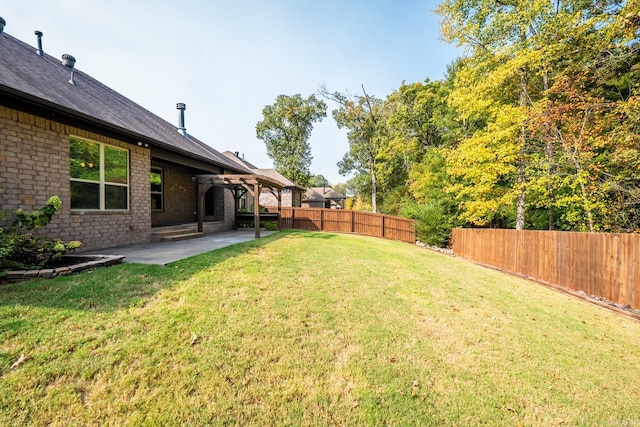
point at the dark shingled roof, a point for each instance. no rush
(320, 194)
(270, 173)
(242, 162)
(44, 82)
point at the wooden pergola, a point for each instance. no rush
(238, 185)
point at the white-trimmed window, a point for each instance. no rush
(99, 176)
(157, 187)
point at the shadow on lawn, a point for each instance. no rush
(119, 286)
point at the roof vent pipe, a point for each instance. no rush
(180, 106)
(2, 24)
(39, 36)
(69, 61)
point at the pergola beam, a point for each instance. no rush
(233, 182)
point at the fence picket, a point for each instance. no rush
(606, 265)
(345, 221)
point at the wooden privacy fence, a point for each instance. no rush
(600, 264)
(345, 221)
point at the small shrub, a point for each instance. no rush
(271, 225)
(21, 249)
(434, 222)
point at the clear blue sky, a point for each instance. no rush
(228, 59)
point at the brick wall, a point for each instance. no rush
(287, 197)
(268, 199)
(226, 223)
(180, 199)
(34, 165)
(179, 194)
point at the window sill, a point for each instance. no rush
(98, 212)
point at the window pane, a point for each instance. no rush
(156, 202)
(115, 197)
(115, 165)
(85, 160)
(85, 195)
(156, 180)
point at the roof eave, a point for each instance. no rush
(39, 102)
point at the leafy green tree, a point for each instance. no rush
(286, 128)
(340, 187)
(317, 181)
(418, 120)
(518, 53)
(361, 116)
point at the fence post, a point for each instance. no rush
(353, 220)
(293, 215)
(366, 223)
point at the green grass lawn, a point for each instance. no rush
(312, 329)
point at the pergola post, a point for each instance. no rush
(280, 207)
(256, 209)
(234, 182)
(202, 190)
(201, 193)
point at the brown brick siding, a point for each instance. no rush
(34, 165)
(268, 199)
(229, 214)
(180, 200)
(179, 194)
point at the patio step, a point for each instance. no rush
(176, 237)
(176, 232)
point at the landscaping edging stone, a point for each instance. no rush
(87, 262)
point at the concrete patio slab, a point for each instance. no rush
(163, 253)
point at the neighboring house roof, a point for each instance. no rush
(235, 157)
(43, 82)
(271, 173)
(320, 194)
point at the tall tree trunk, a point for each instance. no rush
(521, 201)
(585, 201)
(574, 155)
(551, 166)
(374, 188)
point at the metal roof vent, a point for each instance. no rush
(2, 24)
(39, 36)
(180, 106)
(69, 61)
